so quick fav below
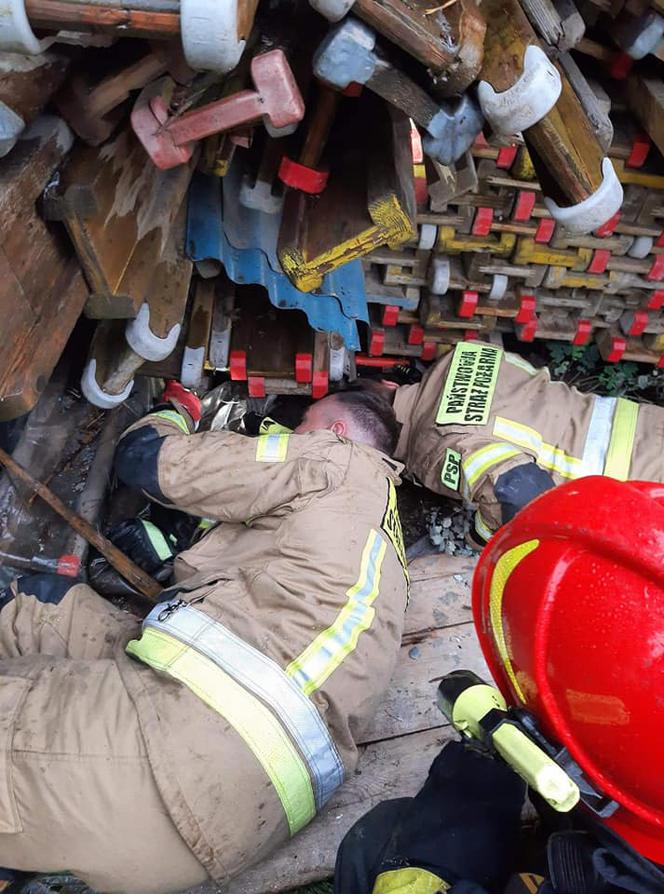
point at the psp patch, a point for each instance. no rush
(450, 473)
(391, 524)
(470, 385)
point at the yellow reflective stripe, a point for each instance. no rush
(248, 716)
(409, 880)
(272, 448)
(481, 527)
(158, 541)
(270, 427)
(619, 455)
(479, 462)
(173, 416)
(501, 573)
(520, 363)
(548, 456)
(329, 649)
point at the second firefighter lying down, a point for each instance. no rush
(148, 759)
(486, 427)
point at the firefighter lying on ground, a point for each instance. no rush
(568, 602)
(486, 427)
(149, 758)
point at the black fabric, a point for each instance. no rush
(571, 866)
(463, 825)
(519, 486)
(137, 461)
(51, 588)
(179, 527)
(133, 539)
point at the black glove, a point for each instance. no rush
(462, 826)
(143, 542)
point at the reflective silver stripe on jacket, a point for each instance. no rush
(263, 678)
(599, 435)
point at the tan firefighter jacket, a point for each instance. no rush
(480, 412)
(287, 634)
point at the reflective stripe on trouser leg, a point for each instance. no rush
(320, 659)
(621, 445)
(172, 416)
(265, 679)
(250, 718)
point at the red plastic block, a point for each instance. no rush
(428, 350)
(68, 565)
(583, 332)
(660, 240)
(421, 188)
(353, 90)
(506, 156)
(527, 331)
(390, 315)
(320, 384)
(656, 300)
(238, 366)
(640, 149)
(660, 362)
(301, 177)
(600, 259)
(471, 335)
(416, 144)
(523, 207)
(545, 230)
(376, 342)
(618, 348)
(639, 322)
(480, 141)
(256, 386)
(304, 367)
(482, 222)
(415, 334)
(656, 272)
(609, 228)
(380, 362)
(620, 66)
(526, 312)
(467, 304)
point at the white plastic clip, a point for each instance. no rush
(528, 100)
(594, 211)
(144, 342)
(96, 395)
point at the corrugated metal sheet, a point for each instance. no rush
(334, 308)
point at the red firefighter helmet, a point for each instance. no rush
(568, 601)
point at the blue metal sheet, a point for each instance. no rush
(206, 239)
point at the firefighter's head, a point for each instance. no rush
(358, 415)
(568, 600)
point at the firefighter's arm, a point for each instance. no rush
(500, 479)
(224, 475)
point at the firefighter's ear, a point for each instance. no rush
(339, 428)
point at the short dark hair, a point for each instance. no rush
(374, 415)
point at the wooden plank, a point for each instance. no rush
(27, 83)
(409, 705)
(393, 769)
(369, 200)
(417, 25)
(646, 100)
(41, 288)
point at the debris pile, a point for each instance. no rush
(290, 192)
(449, 531)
